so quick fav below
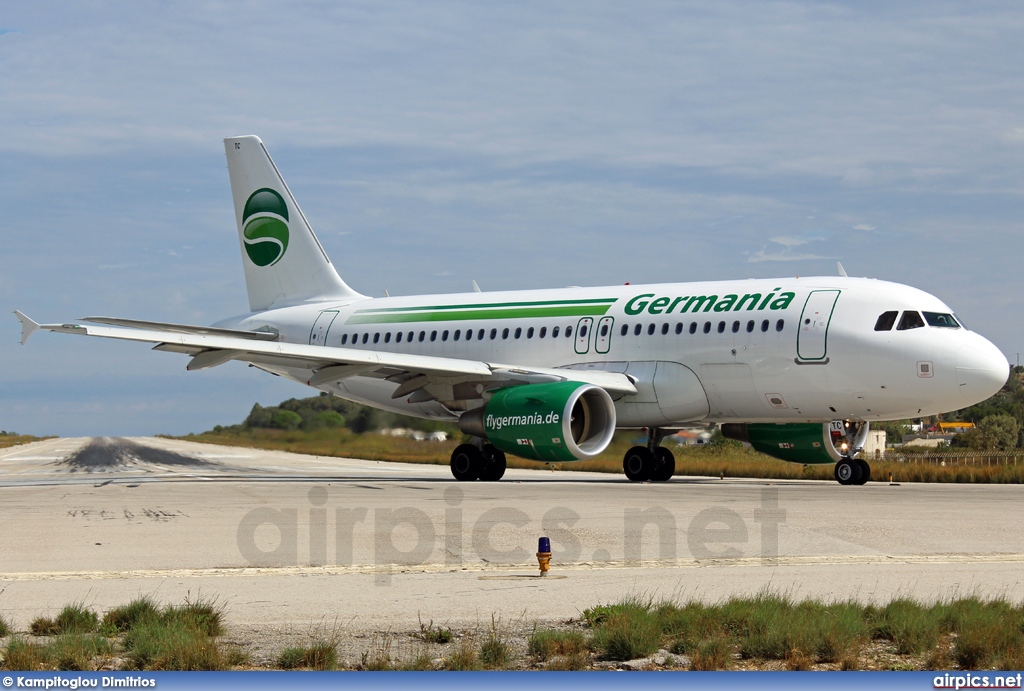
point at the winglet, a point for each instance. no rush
(28, 327)
(842, 271)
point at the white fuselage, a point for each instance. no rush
(778, 350)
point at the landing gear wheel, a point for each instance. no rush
(865, 471)
(847, 472)
(493, 466)
(466, 463)
(638, 464)
(665, 465)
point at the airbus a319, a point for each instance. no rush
(796, 367)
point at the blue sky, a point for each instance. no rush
(524, 145)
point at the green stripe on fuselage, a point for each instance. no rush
(561, 310)
(485, 305)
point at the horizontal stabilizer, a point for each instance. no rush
(28, 327)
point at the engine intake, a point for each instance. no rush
(557, 421)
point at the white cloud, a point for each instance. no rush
(863, 226)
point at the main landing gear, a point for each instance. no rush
(472, 462)
(852, 471)
(650, 463)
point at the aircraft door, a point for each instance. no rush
(812, 334)
(583, 329)
(603, 339)
(318, 334)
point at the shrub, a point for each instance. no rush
(77, 651)
(77, 619)
(23, 656)
(628, 635)
(321, 655)
(911, 627)
(5, 628)
(547, 643)
(43, 626)
(171, 645)
(125, 617)
(712, 654)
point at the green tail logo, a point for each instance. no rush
(266, 235)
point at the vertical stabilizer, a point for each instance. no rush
(284, 262)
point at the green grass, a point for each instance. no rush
(545, 644)
(496, 649)
(5, 628)
(910, 625)
(966, 632)
(319, 655)
(20, 655)
(123, 618)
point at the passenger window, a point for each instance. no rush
(480, 335)
(456, 335)
(721, 327)
(543, 332)
(735, 327)
(707, 327)
(750, 326)
(519, 332)
(604, 330)
(693, 328)
(444, 335)
(376, 338)
(941, 320)
(494, 334)
(664, 329)
(679, 328)
(764, 325)
(650, 330)
(583, 331)
(554, 332)
(387, 337)
(625, 329)
(344, 339)
(529, 332)
(504, 333)
(568, 331)
(637, 329)
(423, 335)
(433, 336)
(411, 334)
(886, 320)
(780, 325)
(910, 320)
(469, 334)
(366, 337)
(398, 337)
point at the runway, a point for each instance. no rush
(289, 542)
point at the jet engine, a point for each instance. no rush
(554, 422)
(806, 443)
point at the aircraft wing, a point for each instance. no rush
(210, 347)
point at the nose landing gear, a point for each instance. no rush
(851, 438)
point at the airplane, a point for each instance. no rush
(796, 367)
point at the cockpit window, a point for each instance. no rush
(886, 321)
(941, 320)
(910, 320)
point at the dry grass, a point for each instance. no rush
(15, 439)
(725, 460)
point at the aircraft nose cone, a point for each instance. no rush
(981, 370)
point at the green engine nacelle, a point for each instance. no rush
(807, 443)
(554, 422)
